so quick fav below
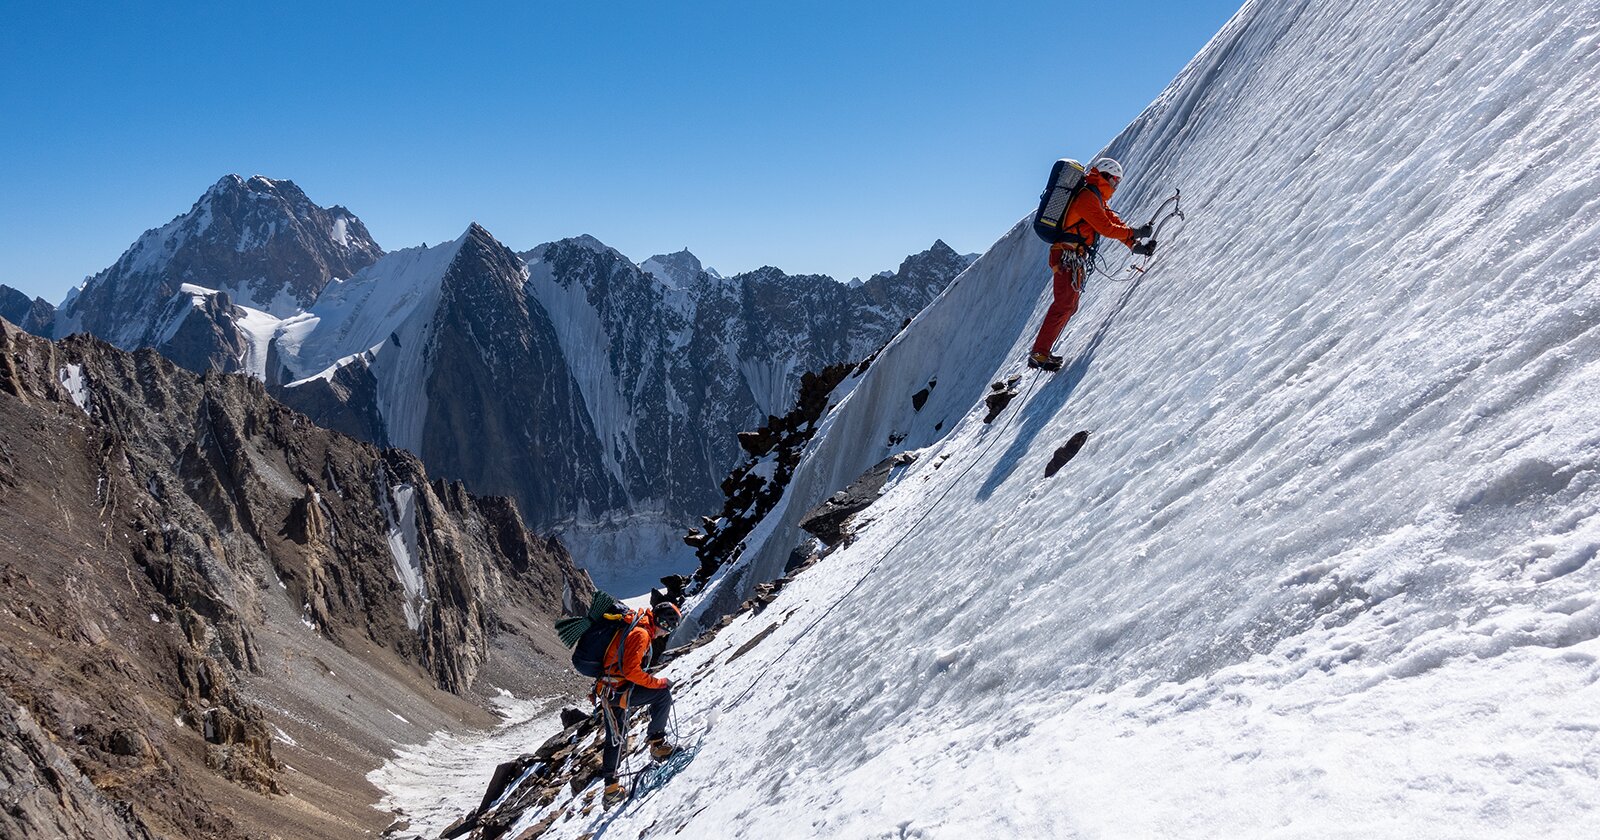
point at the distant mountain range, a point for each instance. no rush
(601, 394)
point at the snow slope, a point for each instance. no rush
(1325, 567)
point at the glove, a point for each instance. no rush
(1143, 231)
(1145, 249)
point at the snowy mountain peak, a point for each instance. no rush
(256, 187)
(938, 258)
(679, 270)
(584, 240)
(262, 241)
(224, 184)
(480, 257)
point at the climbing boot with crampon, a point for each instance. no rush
(661, 749)
(615, 795)
(1044, 361)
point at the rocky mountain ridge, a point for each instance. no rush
(211, 608)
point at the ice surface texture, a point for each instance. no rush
(1327, 568)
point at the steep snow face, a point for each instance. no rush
(400, 508)
(383, 315)
(1326, 566)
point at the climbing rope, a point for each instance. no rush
(908, 532)
(656, 776)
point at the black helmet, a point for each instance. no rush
(667, 615)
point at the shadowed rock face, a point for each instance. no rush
(188, 567)
(35, 315)
(673, 360)
(14, 305)
(504, 413)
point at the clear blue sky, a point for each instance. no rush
(820, 137)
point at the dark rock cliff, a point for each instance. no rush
(504, 412)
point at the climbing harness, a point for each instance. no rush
(1079, 263)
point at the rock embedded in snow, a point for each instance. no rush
(1066, 452)
(829, 521)
(1000, 395)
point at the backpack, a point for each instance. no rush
(590, 635)
(1066, 181)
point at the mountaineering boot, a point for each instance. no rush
(615, 795)
(1044, 361)
(660, 748)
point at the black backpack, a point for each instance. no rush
(590, 635)
(1066, 181)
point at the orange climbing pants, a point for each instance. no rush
(1067, 269)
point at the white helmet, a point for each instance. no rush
(1107, 166)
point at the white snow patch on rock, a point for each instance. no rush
(77, 386)
(403, 547)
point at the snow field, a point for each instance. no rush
(431, 785)
(1323, 569)
(403, 547)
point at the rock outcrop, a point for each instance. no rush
(35, 315)
(754, 487)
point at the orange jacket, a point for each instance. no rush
(1089, 217)
(634, 648)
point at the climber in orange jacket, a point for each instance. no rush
(1088, 218)
(627, 684)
